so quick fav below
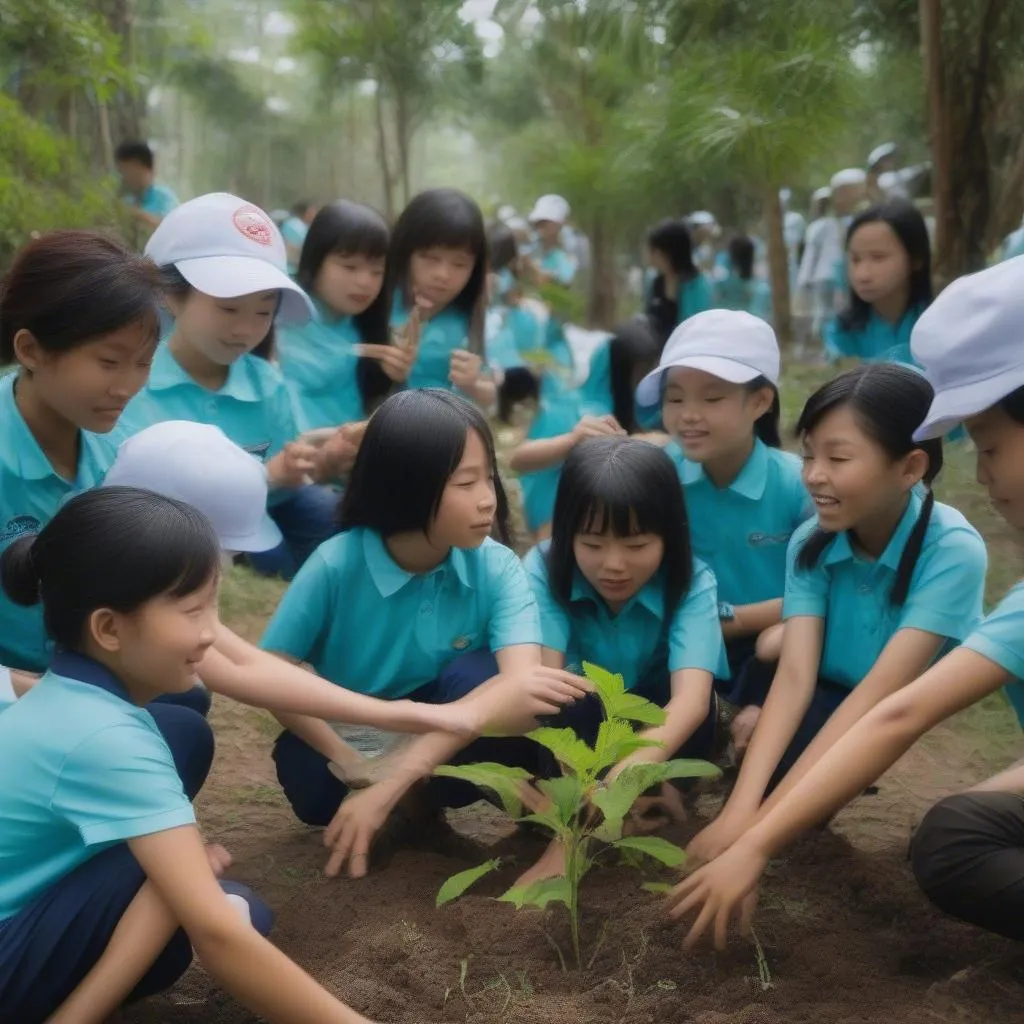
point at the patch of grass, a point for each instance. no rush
(246, 597)
(265, 795)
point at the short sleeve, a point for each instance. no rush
(165, 201)
(284, 422)
(555, 622)
(301, 621)
(119, 784)
(1000, 637)
(806, 590)
(512, 617)
(948, 585)
(839, 344)
(695, 634)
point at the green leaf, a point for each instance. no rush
(500, 779)
(660, 849)
(567, 747)
(458, 884)
(657, 887)
(635, 708)
(548, 820)
(616, 740)
(538, 894)
(566, 793)
(608, 685)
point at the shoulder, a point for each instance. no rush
(494, 557)
(785, 465)
(949, 534)
(341, 551)
(703, 578)
(800, 535)
(535, 561)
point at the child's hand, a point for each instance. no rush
(464, 369)
(337, 455)
(395, 360)
(513, 706)
(716, 838)
(292, 466)
(596, 426)
(352, 830)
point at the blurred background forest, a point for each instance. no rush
(632, 109)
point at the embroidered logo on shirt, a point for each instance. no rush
(254, 224)
(18, 527)
(764, 540)
(259, 450)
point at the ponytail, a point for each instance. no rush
(766, 428)
(18, 573)
(908, 560)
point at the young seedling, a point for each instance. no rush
(584, 812)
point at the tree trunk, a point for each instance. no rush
(778, 265)
(930, 12)
(382, 156)
(602, 308)
(403, 131)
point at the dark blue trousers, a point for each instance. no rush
(306, 519)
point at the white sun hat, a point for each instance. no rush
(226, 247)
(849, 176)
(879, 153)
(551, 207)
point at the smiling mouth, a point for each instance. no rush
(825, 500)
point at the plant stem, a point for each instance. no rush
(572, 875)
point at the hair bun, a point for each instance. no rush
(18, 573)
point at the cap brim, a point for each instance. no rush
(227, 277)
(952, 406)
(648, 392)
(265, 537)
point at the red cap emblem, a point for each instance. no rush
(254, 224)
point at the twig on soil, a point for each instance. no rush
(600, 942)
(558, 952)
(764, 973)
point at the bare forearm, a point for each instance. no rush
(752, 619)
(484, 393)
(533, 456)
(316, 733)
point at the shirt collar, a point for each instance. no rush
(749, 483)
(389, 577)
(87, 670)
(651, 596)
(166, 372)
(841, 549)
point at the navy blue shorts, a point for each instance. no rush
(306, 519)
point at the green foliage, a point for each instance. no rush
(583, 809)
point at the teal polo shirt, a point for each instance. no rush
(440, 336)
(253, 408)
(559, 264)
(318, 362)
(1000, 638)
(878, 342)
(31, 492)
(753, 296)
(694, 297)
(851, 592)
(158, 200)
(366, 624)
(92, 771)
(641, 643)
(742, 531)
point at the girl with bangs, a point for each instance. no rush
(437, 276)
(338, 367)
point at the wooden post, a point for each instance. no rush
(930, 14)
(778, 265)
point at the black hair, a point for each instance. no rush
(890, 401)
(673, 238)
(1013, 405)
(520, 384)
(68, 288)
(110, 547)
(502, 248)
(633, 352)
(910, 228)
(446, 218)
(134, 151)
(177, 287)
(741, 257)
(300, 207)
(352, 229)
(413, 444)
(627, 486)
(766, 426)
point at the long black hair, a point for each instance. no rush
(413, 444)
(627, 486)
(890, 402)
(352, 229)
(906, 222)
(632, 352)
(446, 218)
(672, 237)
(741, 257)
(110, 547)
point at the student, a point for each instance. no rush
(551, 263)
(880, 585)
(513, 329)
(224, 268)
(849, 196)
(342, 269)
(889, 263)
(602, 405)
(148, 201)
(412, 582)
(679, 290)
(717, 383)
(704, 230)
(822, 251)
(740, 290)
(437, 274)
(967, 853)
(107, 887)
(79, 318)
(294, 229)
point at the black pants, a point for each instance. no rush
(968, 857)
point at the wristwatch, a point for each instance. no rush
(726, 612)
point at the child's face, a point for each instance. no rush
(90, 385)
(223, 330)
(878, 264)
(440, 274)
(349, 283)
(158, 648)
(618, 568)
(548, 231)
(659, 261)
(999, 440)
(466, 514)
(851, 478)
(135, 176)
(709, 417)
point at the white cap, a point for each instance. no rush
(197, 464)
(551, 207)
(732, 346)
(701, 219)
(879, 153)
(968, 342)
(821, 193)
(506, 212)
(850, 176)
(517, 224)
(226, 247)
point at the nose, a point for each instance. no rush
(488, 500)
(613, 558)
(813, 473)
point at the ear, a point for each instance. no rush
(761, 401)
(104, 628)
(175, 304)
(915, 466)
(28, 351)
